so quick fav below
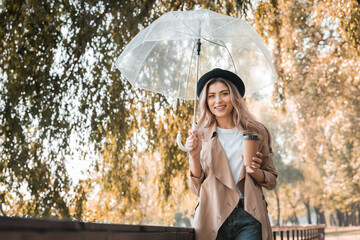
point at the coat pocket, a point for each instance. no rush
(197, 205)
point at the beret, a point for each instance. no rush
(217, 72)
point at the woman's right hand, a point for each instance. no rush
(193, 141)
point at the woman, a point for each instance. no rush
(231, 204)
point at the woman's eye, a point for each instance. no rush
(225, 94)
(210, 96)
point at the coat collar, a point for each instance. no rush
(210, 131)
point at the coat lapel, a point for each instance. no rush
(217, 159)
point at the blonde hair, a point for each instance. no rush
(242, 118)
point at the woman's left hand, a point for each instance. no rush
(255, 165)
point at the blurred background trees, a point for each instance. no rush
(62, 105)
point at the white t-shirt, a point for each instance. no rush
(232, 142)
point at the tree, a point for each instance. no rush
(55, 79)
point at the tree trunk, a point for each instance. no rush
(346, 219)
(340, 217)
(307, 205)
(320, 215)
(358, 207)
(322, 218)
(278, 206)
(353, 215)
(333, 220)
(295, 219)
(317, 211)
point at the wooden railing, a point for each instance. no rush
(299, 232)
(15, 228)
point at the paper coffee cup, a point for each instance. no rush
(251, 146)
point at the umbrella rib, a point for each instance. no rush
(224, 25)
(142, 65)
(161, 93)
(184, 24)
(148, 29)
(214, 42)
(187, 80)
(224, 45)
(232, 60)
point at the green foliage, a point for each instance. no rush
(317, 58)
(30, 33)
(57, 81)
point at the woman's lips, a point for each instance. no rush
(220, 108)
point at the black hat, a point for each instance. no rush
(217, 72)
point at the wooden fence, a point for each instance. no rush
(299, 232)
(16, 228)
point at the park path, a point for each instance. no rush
(345, 233)
(344, 237)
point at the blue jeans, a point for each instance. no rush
(240, 225)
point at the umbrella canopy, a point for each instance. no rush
(162, 57)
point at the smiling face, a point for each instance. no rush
(219, 102)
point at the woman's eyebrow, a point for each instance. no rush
(219, 92)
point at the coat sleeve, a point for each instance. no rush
(195, 183)
(267, 165)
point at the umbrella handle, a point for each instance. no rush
(179, 143)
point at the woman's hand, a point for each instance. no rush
(255, 164)
(193, 141)
(254, 169)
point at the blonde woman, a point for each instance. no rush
(231, 204)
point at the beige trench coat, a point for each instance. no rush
(217, 192)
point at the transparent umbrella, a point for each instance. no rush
(168, 56)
